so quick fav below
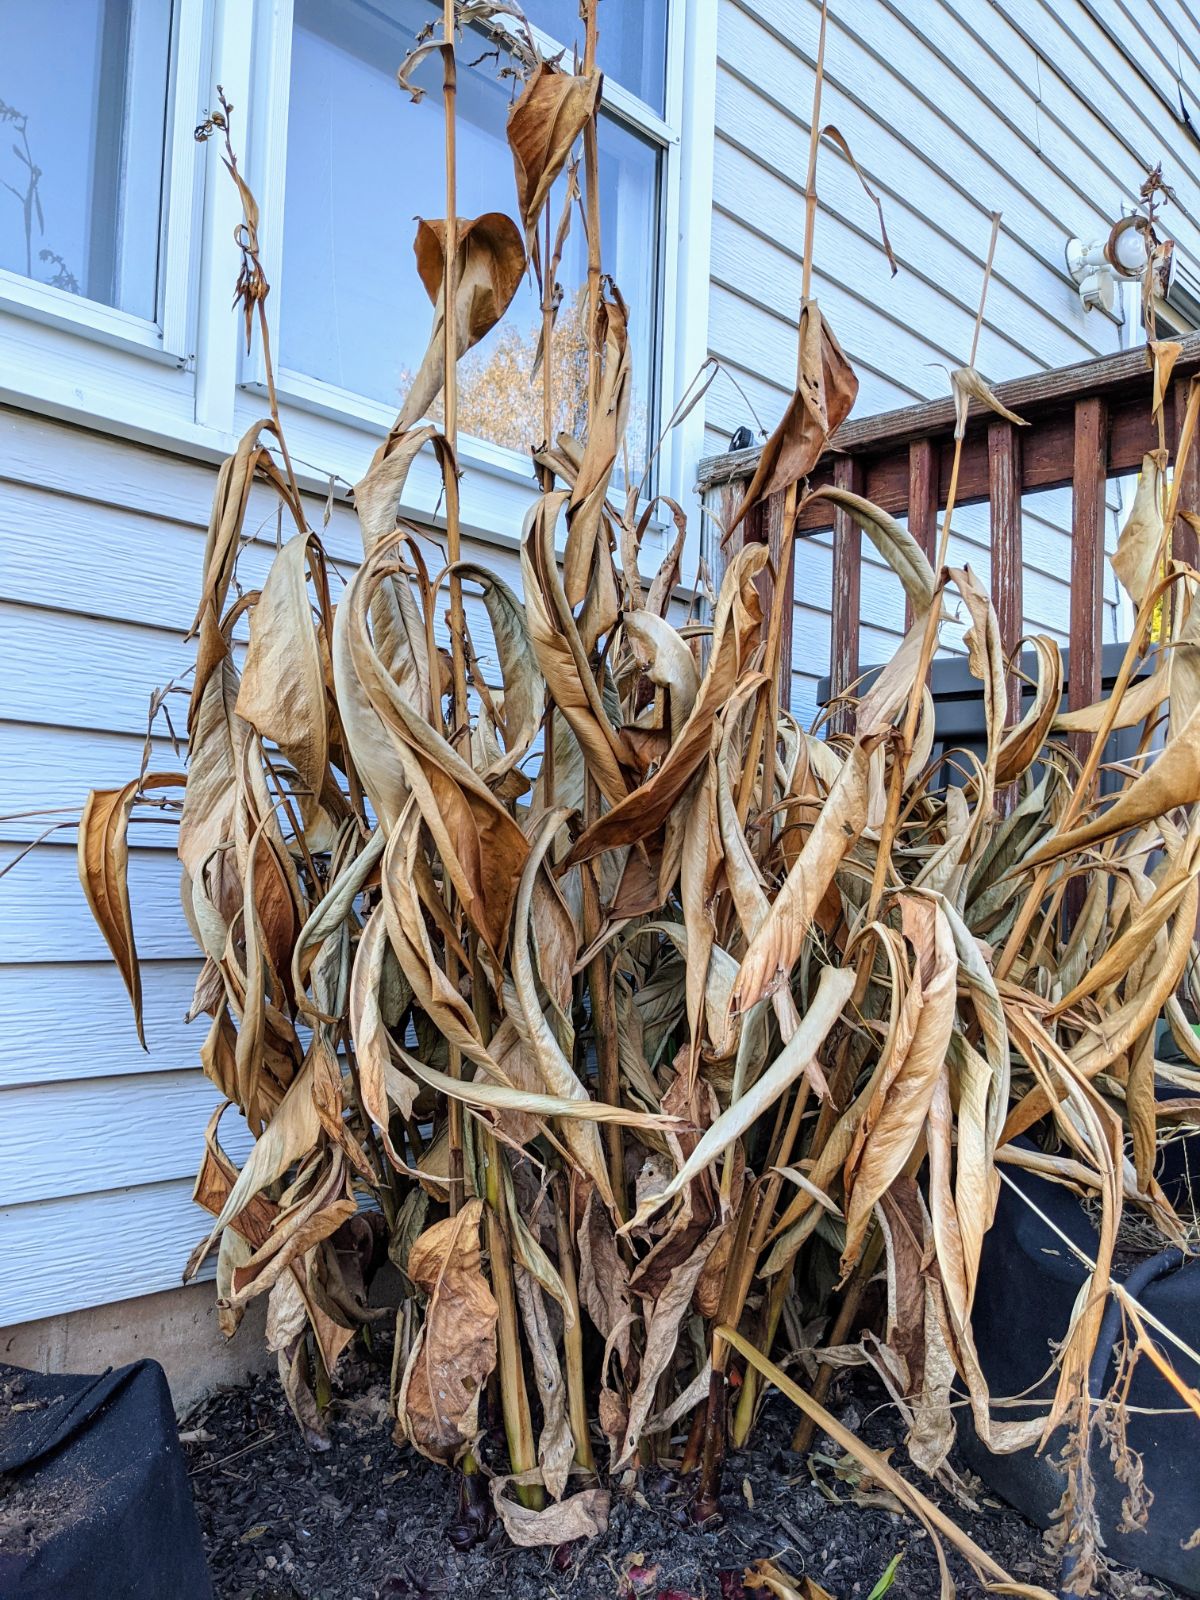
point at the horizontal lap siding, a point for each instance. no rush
(952, 109)
(101, 550)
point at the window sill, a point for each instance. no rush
(56, 308)
(333, 433)
(124, 387)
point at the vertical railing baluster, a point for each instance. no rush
(845, 628)
(922, 503)
(1089, 478)
(1185, 544)
(1004, 487)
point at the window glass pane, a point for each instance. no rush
(83, 96)
(363, 160)
(632, 40)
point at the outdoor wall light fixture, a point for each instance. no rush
(1096, 269)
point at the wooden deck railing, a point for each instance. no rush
(1086, 424)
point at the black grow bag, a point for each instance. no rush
(95, 1502)
(1028, 1283)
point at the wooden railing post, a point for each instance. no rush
(1185, 544)
(847, 582)
(783, 563)
(1087, 559)
(922, 503)
(1004, 486)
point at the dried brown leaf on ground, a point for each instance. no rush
(579, 1516)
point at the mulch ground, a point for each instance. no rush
(369, 1521)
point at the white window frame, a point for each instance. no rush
(500, 485)
(81, 359)
(182, 380)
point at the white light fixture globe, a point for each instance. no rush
(1096, 267)
(1126, 248)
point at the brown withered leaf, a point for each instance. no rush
(662, 1333)
(456, 1349)
(824, 395)
(489, 261)
(603, 1276)
(766, 1575)
(797, 1056)
(1136, 556)
(1022, 743)
(736, 628)
(556, 1444)
(371, 1043)
(777, 943)
(524, 687)
(606, 430)
(289, 1135)
(480, 844)
(543, 125)
(1172, 779)
(561, 654)
(580, 1516)
(902, 1096)
(282, 692)
(969, 385)
(663, 655)
(1164, 353)
(102, 855)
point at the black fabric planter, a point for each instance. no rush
(1028, 1283)
(94, 1496)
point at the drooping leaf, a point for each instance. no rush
(822, 401)
(102, 854)
(455, 1351)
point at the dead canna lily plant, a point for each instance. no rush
(637, 1023)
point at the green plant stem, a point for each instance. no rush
(573, 1336)
(743, 1414)
(514, 1394)
(604, 1025)
(851, 1300)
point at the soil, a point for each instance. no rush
(31, 1511)
(366, 1520)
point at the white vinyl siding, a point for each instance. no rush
(101, 543)
(953, 109)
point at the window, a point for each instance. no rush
(83, 103)
(117, 249)
(363, 161)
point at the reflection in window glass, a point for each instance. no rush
(632, 40)
(83, 98)
(363, 161)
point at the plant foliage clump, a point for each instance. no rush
(651, 1023)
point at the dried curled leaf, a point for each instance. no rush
(822, 401)
(456, 1348)
(1139, 549)
(580, 1516)
(489, 263)
(102, 855)
(969, 385)
(543, 125)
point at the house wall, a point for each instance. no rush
(101, 544)
(1049, 111)
(952, 108)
